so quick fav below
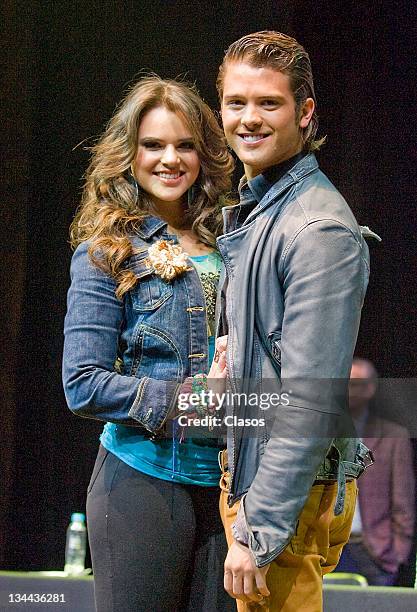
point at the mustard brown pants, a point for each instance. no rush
(295, 577)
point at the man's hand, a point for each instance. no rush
(242, 579)
(218, 367)
(216, 377)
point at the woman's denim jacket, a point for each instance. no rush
(124, 359)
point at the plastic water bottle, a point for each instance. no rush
(76, 544)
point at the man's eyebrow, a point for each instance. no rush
(273, 96)
(233, 96)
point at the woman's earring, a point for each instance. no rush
(133, 182)
(192, 194)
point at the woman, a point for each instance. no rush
(139, 332)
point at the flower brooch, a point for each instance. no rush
(167, 259)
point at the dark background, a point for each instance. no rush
(66, 65)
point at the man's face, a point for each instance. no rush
(259, 116)
(361, 388)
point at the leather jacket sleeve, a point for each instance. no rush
(92, 387)
(324, 272)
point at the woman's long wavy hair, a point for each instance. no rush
(112, 208)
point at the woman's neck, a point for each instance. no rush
(174, 214)
(171, 212)
(189, 241)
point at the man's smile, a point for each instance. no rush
(253, 137)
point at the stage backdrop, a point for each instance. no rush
(67, 64)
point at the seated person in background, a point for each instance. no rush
(383, 524)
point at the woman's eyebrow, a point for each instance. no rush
(157, 139)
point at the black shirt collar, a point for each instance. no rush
(257, 187)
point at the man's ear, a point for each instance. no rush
(306, 112)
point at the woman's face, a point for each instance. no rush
(166, 163)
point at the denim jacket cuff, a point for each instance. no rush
(154, 402)
(239, 528)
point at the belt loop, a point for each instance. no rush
(341, 485)
(222, 459)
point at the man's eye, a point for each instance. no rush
(268, 103)
(235, 103)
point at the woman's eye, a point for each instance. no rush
(188, 146)
(150, 144)
(235, 103)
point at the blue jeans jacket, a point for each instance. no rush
(124, 360)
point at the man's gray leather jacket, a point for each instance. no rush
(296, 273)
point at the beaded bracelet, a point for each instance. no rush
(199, 386)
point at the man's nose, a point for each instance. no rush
(170, 156)
(250, 117)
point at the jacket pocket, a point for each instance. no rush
(149, 342)
(150, 291)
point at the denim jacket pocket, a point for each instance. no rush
(150, 291)
(152, 341)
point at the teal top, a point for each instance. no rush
(187, 462)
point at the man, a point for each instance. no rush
(296, 272)
(383, 525)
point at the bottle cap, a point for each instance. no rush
(77, 517)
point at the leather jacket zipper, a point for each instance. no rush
(229, 361)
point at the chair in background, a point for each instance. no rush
(345, 578)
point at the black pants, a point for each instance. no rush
(155, 545)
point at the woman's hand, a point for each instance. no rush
(214, 382)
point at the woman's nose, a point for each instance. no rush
(170, 156)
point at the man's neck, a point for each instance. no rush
(262, 182)
(251, 172)
(359, 413)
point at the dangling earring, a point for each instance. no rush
(131, 179)
(193, 193)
